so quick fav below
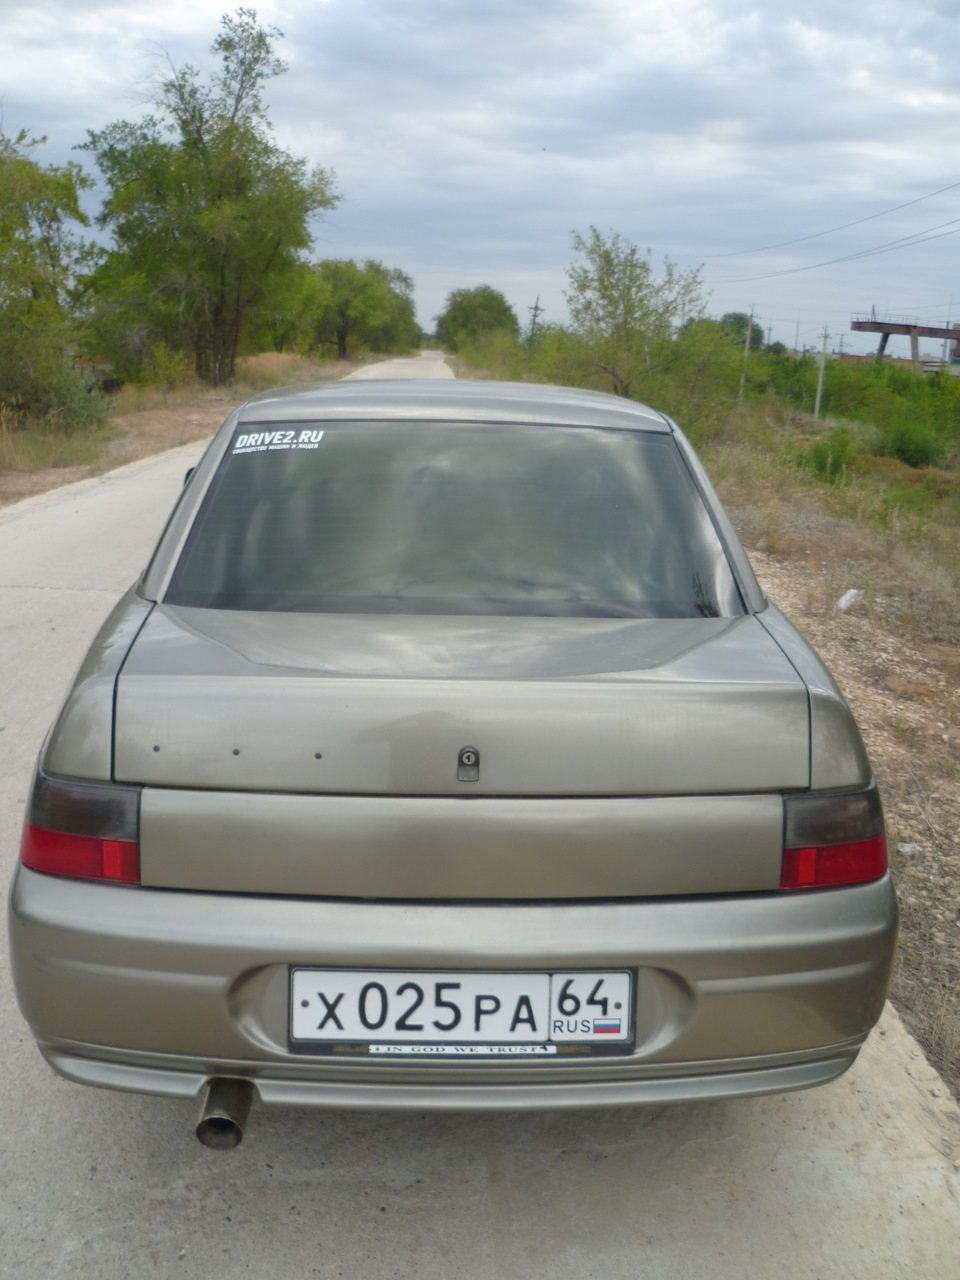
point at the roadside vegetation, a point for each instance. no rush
(145, 418)
(204, 257)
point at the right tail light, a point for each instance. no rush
(831, 840)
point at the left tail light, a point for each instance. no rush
(88, 830)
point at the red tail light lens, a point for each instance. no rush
(832, 840)
(89, 830)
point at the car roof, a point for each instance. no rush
(450, 401)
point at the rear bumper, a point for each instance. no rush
(698, 1081)
(156, 991)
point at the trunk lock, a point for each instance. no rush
(468, 765)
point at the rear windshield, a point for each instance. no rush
(454, 519)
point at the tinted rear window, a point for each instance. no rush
(455, 519)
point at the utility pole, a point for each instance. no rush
(823, 365)
(746, 352)
(535, 312)
(769, 333)
(796, 339)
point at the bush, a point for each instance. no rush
(497, 351)
(65, 399)
(167, 368)
(829, 458)
(913, 441)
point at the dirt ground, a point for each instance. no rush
(906, 698)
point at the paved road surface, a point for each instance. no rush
(428, 364)
(855, 1180)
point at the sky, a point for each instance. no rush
(470, 140)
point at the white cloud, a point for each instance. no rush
(470, 139)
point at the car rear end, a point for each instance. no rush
(461, 815)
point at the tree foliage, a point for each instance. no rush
(208, 214)
(369, 306)
(471, 314)
(737, 323)
(39, 256)
(623, 313)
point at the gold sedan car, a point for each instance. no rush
(448, 754)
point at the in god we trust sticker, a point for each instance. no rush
(271, 441)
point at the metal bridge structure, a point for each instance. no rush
(912, 329)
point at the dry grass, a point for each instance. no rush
(254, 373)
(925, 987)
(37, 448)
(907, 565)
(279, 369)
(143, 420)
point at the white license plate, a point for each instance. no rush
(436, 1014)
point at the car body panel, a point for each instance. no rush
(81, 742)
(198, 983)
(415, 847)
(734, 1078)
(838, 758)
(669, 716)
(511, 402)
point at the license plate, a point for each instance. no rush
(455, 1014)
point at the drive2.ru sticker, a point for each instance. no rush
(271, 441)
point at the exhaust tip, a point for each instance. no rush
(223, 1113)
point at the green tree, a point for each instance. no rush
(624, 314)
(283, 320)
(207, 212)
(700, 386)
(396, 329)
(368, 306)
(736, 323)
(470, 314)
(40, 336)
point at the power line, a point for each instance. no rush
(816, 235)
(904, 242)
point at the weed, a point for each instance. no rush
(32, 448)
(829, 458)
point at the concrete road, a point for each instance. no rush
(859, 1179)
(428, 364)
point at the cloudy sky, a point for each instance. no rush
(470, 139)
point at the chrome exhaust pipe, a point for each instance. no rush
(223, 1114)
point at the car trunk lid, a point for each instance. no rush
(318, 755)
(384, 706)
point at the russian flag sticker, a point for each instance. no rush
(606, 1026)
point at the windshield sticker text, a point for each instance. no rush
(271, 441)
